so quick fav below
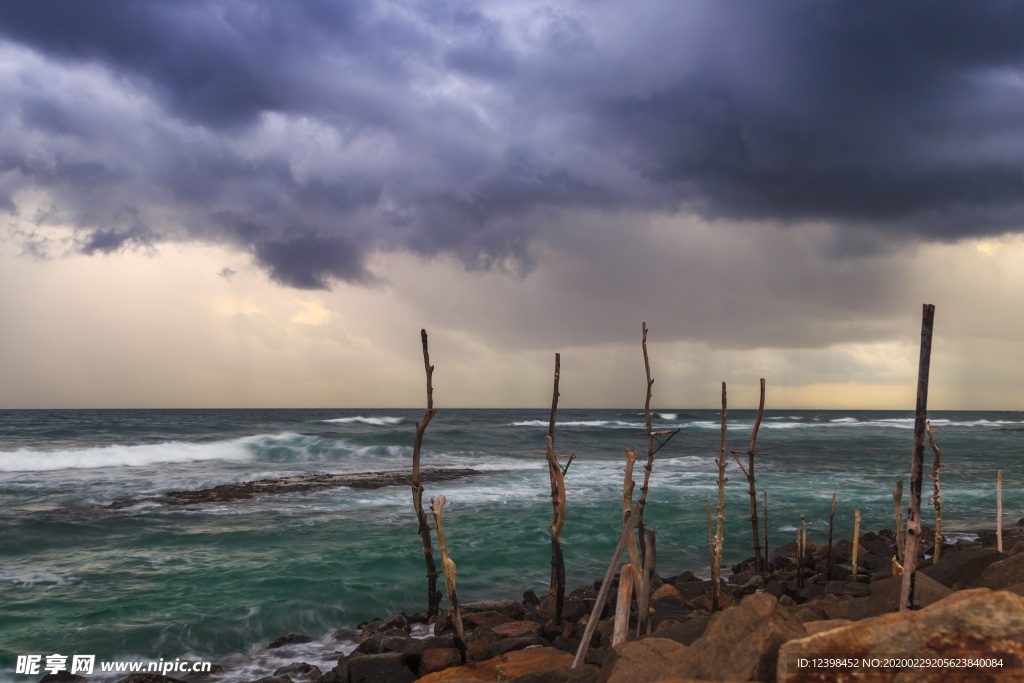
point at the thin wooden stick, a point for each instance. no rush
(999, 511)
(828, 557)
(716, 569)
(629, 512)
(936, 493)
(602, 594)
(622, 605)
(433, 595)
(752, 483)
(856, 541)
(449, 578)
(913, 539)
(897, 502)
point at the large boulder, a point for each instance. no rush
(641, 661)
(885, 598)
(740, 643)
(977, 622)
(961, 568)
(1004, 573)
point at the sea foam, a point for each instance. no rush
(25, 460)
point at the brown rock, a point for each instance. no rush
(684, 632)
(667, 591)
(885, 598)
(978, 621)
(517, 629)
(1004, 573)
(815, 627)
(515, 666)
(479, 643)
(438, 658)
(641, 661)
(740, 643)
(963, 567)
(488, 619)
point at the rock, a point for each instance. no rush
(530, 599)
(688, 590)
(885, 598)
(961, 568)
(479, 642)
(436, 659)
(385, 641)
(507, 645)
(740, 643)
(487, 619)
(509, 608)
(976, 621)
(666, 591)
(517, 629)
(299, 670)
(572, 608)
(273, 679)
(399, 622)
(290, 639)
(528, 665)
(1017, 548)
(149, 678)
(810, 591)
(1004, 573)
(641, 661)
(683, 632)
(815, 627)
(388, 667)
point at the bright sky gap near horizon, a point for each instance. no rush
(255, 204)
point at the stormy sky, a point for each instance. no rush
(228, 203)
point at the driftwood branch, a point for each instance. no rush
(936, 493)
(622, 604)
(644, 599)
(449, 578)
(913, 540)
(433, 596)
(629, 513)
(602, 594)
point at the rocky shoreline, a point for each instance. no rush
(224, 493)
(970, 614)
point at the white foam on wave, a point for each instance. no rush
(580, 423)
(25, 460)
(32, 578)
(668, 416)
(378, 421)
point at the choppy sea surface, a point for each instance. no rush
(210, 581)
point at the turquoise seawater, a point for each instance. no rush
(206, 581)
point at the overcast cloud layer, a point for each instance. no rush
(312, 133)
(774, 185)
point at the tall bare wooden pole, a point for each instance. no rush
(557, 587)
(913, 539)
(748, 472)
(716, 568)
(433, 596)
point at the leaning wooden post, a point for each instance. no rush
(629, 513)
(856, 541)
(716, 568)
(936, 493)
(752, 483)
(433, 596)
(622, 605)
(449, 578)
(913, 539)
(557, 587)
(999, 511)
(897, 503)
(602, 594)
(828, 557)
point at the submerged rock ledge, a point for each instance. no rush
(307, 482)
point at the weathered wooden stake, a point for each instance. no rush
(629, 513)
(828, 557)
(643, 624)
(660, 437)
(449, 578)
(897, 502)
(433, 596)
(556, 475)
(913, 539)
(716, 568)
(999, 511)
(856, 541)
(752, 483)
(936, 493)
(622, 604)
(602, 594)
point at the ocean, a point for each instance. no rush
(218, 581)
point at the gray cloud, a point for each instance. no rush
(311, 134)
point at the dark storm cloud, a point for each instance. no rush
(309, 134)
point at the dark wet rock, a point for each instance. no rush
(306, 482)
(1004, 573)
(530, 599)
(388, 667)
(683, 632)
(507, 645)
(479, 642)
(300, 671)
(149, 678)
(62, 676)
(290, 639)
(273, 679)
(437, 659)
(961, 568)
(384, 641)
(509, 608)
